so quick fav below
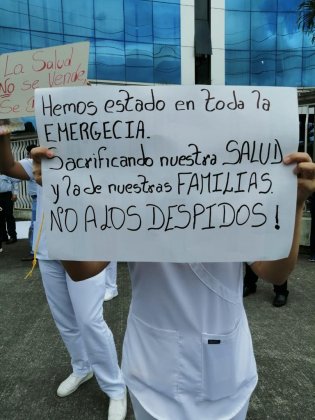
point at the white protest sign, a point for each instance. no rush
(22, 72)
(168, 173)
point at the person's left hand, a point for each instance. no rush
(38, 154)
(14, 197)
(305, 171)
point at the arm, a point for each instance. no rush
(277, 272)
(8, 165)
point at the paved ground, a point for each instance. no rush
(33, 360)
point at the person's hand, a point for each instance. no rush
(305, 171)
(14, 197)
(38, 154)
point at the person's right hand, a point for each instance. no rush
(38, 154)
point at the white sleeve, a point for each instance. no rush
(28, 167)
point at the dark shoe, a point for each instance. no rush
(11, 241)
(248, 290)
(280, 299)
(312, 258)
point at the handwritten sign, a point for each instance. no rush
(22, 72)
(168, 173)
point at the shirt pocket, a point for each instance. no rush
(151, 356)
(227, 362)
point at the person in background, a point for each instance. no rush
(32, 192)
(77, 308)
(9, 188)
(111, 281)
(250, 286)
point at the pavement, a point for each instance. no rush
(33, 360)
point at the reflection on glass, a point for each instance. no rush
(237, 30)
(130, 40)
(110, 60)
(166, 64)
(264, 45)
(263, 31)
(166, 23)
(139, 62)
(138, 21)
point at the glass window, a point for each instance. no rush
(110, 60)
(237, 30)
(14, 14)
(138, 21)
(11, 41)
(264, 5)
(237, 67)
(263, 68)
(263, 31)
(43, 40)
(237, 5)
(166, 23)
(109, 19)
(139, 62)
(288, 5)
(78, 18)
(308, 73)
(167, 64)
(289, 68)
(46, 16)
(289, 37)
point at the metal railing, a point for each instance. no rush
(18, 145)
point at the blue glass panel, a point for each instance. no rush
(263, 31)
(138, 21)
(263, 68)
(14, 14)
(237, 67)
(92, 72)
(307, 41)
(109, 19)
(46, 16)
(308, 74)
(237, 31)
(14, 40)
(289, 68)
(78, 18)
(139, 62)
(43, 40)
(288, 5)
(167, 64)
(166, 23)
(110, 60)
(237, 5)
(92, 57)
(264, 6)
(289, 37)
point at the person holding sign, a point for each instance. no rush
(77, 308)
(187, 350)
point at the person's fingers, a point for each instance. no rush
(305, 170)
(39, 153)
(296, 157)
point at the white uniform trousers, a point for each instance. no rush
(111, 277)
(77, 309)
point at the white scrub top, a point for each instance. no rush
(41, 253)
(187, 350)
